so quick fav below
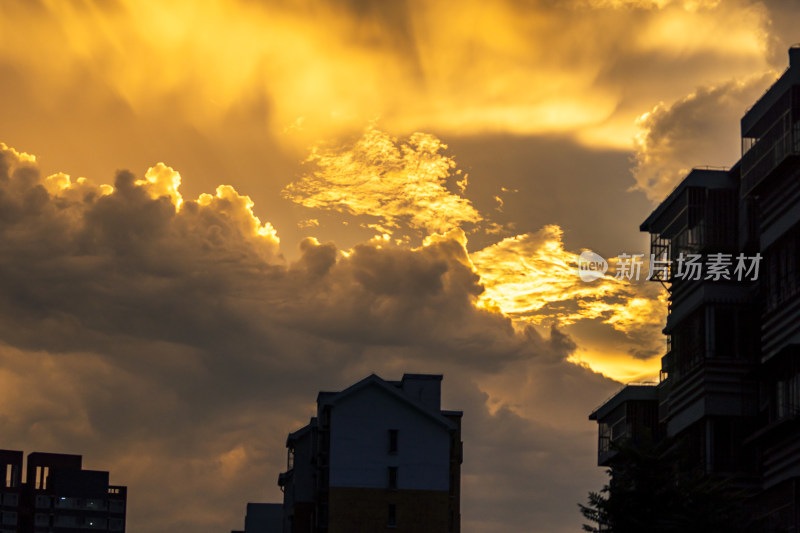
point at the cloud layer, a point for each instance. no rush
(168, 340)
(328, 67)
(395, 184)
(701, 129)
(162, 329)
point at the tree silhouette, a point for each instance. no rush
(645, 494)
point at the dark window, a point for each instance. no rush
(392, 441)
(782, 270)
(724, 449)
(689, 342)
(787, 397)
(391, 520)
(392, 477)
(605, 437)
(725, 345)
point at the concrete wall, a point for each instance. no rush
(298, 496)
(263, 518)
(304, 469)
(355, 510)
(359, 447)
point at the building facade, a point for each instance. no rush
(262, 518)
(379, 456)
(728, 400)
(57, 496)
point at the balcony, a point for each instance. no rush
(284, 478)
(771, 128)
(628, 414)
(767, 153)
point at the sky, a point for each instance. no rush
(210, 211)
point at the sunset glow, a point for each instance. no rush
(209, 211)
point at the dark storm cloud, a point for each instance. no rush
(177, 347)
(698, 130)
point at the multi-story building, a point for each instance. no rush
(57, 496)
(263, 518)
(379, 456)
(728, 401)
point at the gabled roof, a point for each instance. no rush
(330, 398)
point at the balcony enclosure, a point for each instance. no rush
(771, 128)
(771, 140)
(630, 415)
(699, 216)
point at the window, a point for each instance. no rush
(391, 520)
(782, 260)
(42, 473)
(392, 441)
(65, 503)
(392, 477)
(605, 437)
(66, 521)
(620, 430)
(95, 523)
(290, 458)
(725, 328)
(787, 397)
(689, 342)
(96, 504)
(43, 501)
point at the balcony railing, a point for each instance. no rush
(770, 151)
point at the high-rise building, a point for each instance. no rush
(728, 400)
(57, 496)
(379, 456)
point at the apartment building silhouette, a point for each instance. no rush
(378, 456)
(728, 400)
(57, 496)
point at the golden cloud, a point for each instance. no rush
(533, 279)
(326, 69)
(400, 184)
(530, 278)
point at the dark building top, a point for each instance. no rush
(380, 455)
(57, 495)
